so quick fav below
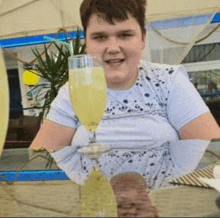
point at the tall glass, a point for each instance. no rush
(4, 102)
(87, 86)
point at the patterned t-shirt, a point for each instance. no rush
(152, 111)
(156, 107)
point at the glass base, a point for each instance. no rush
(93, 150)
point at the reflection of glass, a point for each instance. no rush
(4, 102)
(97, 198)
(87, 87)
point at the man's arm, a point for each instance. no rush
(203, 127)
(53, 136)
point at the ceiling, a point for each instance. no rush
(32, 17)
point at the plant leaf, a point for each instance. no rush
(43, 72)
(83, 48)
(60, 49)
(77, 44)
(48, 60)
(39, 59)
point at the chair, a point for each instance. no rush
(22, 131)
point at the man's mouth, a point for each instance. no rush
(114, 61)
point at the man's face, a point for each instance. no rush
(120, 47)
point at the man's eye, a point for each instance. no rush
(125, 35)
(99, 38)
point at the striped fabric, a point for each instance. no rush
(191, 179)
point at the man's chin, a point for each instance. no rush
(116, 76)
(116, 79)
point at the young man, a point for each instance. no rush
(115, 29)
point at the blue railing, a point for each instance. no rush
(32, 175)
(38, 39)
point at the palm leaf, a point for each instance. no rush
(77, 43)
(82, 51)
(60, 49)
(48, 60)
(42, 64)
(43, 73)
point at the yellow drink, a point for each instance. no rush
(87, 88)
(4, 102)
(97, 198)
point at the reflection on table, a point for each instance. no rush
(157, 161)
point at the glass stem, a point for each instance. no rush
(93, 139)
(95, 164)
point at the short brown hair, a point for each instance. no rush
(113, 9)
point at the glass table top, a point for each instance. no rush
(156, 161)
(144, 157)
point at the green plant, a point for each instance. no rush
(54, 70)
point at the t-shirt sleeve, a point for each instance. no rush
(61, 109)
(70, 161)
(184, 101)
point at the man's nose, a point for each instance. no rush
(113, 46)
